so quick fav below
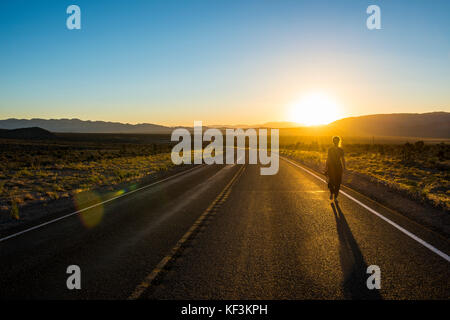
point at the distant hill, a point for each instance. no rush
(426, 125)
(27, 133)
(421, 125)
(278, 125)
(80, 126)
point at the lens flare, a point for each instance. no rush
(90, 217)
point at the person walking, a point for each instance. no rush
(334, 167)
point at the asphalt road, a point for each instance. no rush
(246, 236)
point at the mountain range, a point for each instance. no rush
(81, 126)
(425, 125)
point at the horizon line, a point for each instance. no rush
(226, 125)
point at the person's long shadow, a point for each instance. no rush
(353, 264)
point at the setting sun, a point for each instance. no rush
(314, 109)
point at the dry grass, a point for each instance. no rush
(40, 172)
(418, 170)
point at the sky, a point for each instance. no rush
(172, 62)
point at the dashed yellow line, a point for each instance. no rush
(151, 277)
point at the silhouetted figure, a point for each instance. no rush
(334, 167)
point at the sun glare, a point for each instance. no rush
(314, 109)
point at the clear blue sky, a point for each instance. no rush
(220, 61)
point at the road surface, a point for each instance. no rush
(226, 232)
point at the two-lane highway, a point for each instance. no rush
(134, 234)
(279, 237)
(261, 237)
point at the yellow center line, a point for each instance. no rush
(151, 277)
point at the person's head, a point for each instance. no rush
(336, 141)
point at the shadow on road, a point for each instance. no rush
(352, 261)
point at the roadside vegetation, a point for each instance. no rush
(38, 172)
(418, 170)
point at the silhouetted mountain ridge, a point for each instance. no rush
(82, 126)
(425, 125)
(27, 133)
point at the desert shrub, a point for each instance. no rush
(419, 170)
(14, 210)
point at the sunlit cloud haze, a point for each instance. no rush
(222, 62)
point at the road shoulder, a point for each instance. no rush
(425, 215)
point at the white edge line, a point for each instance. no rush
(409, 234)
(96, 205)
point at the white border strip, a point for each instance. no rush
(95, 205)
(409, 234)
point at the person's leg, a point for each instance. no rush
(331, 188)
(337, 185)
(332, 183)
